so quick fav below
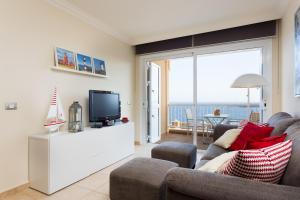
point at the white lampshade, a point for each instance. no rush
(249, 81)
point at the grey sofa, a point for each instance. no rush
(188, 184)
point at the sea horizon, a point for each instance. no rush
(215, 103)
(234, 110)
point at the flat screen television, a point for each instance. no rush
(104, 106)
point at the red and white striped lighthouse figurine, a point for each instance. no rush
(55, 117)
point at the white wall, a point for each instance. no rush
(29, 31)
(290, 103)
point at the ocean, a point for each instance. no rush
(236, 111)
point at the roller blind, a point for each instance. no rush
(251, 31)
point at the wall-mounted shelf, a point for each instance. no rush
(78, 72)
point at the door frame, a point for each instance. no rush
(265, 44)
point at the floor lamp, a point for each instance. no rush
(249, 81)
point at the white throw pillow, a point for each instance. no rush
(228, 138)
(216, 163)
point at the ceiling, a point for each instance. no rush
(142, 21)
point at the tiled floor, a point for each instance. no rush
(94, 187)
(202, 142)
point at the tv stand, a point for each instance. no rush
(61, 159)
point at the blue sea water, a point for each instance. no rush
(236, 111)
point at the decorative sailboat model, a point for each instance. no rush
(55, 117)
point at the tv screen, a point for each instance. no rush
(104, 105)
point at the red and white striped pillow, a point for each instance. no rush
(266, 164)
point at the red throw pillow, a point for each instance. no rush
(265, 142)
(243, 123)
(250, 132)
(266, 164)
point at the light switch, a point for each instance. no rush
(11, 106)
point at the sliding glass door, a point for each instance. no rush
(201, 97)
(180, 105)
(199, 93)
(217, 101)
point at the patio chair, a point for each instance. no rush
(201, 124)
(254, 117)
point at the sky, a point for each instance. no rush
(215, 74)
(80, 58)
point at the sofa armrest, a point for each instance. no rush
(220, 129)
(196, 184)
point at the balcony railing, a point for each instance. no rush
(236, 112)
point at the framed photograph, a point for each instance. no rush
(84, 63)
(297, 53)
(64, 58)
(99, 66)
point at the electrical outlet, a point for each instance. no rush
(11, 106)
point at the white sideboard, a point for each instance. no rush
(60, 159)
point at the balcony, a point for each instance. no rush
(236, 112)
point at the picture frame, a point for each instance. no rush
(99, 66)
(84, 63)
(297, 54)
(65, 58)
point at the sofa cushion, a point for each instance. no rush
(215, 164)
(220, 129)
(266, 142)
(281, 126)
(250, 132)
(267, 164)
(200, 163)
(277, 117)
(293, 131)
(228, 138)
(292, 175)
(213, 151)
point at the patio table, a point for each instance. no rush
(213, 120)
